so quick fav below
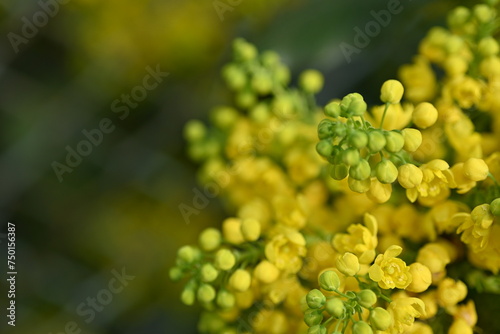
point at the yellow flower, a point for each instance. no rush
(379, 192)
(409, 176)
(419, 327)
(466, 91)
(391, 92)
(435, 257)
(270, 322)
(348, 264)
(436, 183)
(419, 80)
(475, 227)
(463, 138)
(450, 292)
(266, 272)
(286, 251)
(421, 278)
(404, 310)
(466, 312)
(476, 169)
(397, 116)
(441, 214)
(460, 326)
(359, 240)
(464, 184)
(489, 257)
(389, 271)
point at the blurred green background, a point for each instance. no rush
(119, 207)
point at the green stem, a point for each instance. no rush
(383, 115)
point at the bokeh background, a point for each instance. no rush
(119, 207)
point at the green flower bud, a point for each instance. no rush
(376, 140)
(488, 46)
(395, 141)
(325, 129)
(483, 13)
(386, 171)
(361, 327)
(458, 16)
(311, 81)
(244, 51)
(367, 298)
(234, 77)
(332, 109)
(315, 299)
(225, 299)
(260, 113)
(206, 293)
(380, 319)
(188, 254)
(353, 104)
(351, 157)
(361, 171)
(335, 307)
(209, 273)
(245, 99)
(495, 207)
(359, 186)
(210, 239)
(329, 280)
(175, 274)
(223, 117)
(324, 148)
(412, 138)
(224, 259)
(194, 130)
(358, 139)
(313, 317)
(187, 296)
(270, 58)
(262, 83)
(339, 129)
(339, 171)
(358, 107)
(317, 329)
(282, 74)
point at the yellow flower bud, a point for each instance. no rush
(315, 299)
(413, 139)
(488, 46)
(424, 115)
(379, 192)
(483, 13)
(456, 65)
(458, 16)
(224, 259)
(394, 141)
(210, 239)
(348, 264)
(460, 326)
(266, 272)
(335, 307)
(225, 299)
(421, 278)
(250, 228)
(208, 273)
(391, 92)
(476, 169)
(495, 207)
(206, 293)
(311, 81)
(359, 186)
(409, 176)
(367, 298)
(231, 229)
(450, 292)
(329, 280)
(380, 319)
(240, 280)
(386, 171)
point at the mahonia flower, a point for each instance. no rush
(286, 250)
(389, 271)
(360, 240)
(450, 292)
(475, 227)
(404, 310)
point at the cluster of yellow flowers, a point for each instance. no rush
(386, 229)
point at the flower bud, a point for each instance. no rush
(450, 292)
(367, 298)
(358, 139)
(361, 171)
(311, 81)
(394, 141)
(332, 109)
(412, 138)
(194, 130)
(187, 296)
(361, 327)
(315, 299)
(409, 176)
(206, 293)
(209, 239)
(339, 171)
(324, 148)
(424, 115)
(250, 228)
(380, 319)
(317, 329)
(353, 104)
(483, 13)
(329, 280)
(208, 273)
(488, 46)
(270, 58)
(339, 130)
(421, 278)
(476, 169)
(282, 74)
(231, 230)
(386, 171)
(224, 117)
(350, 157)
(225, 299)
(262, 83)
(458, 16)
(325, 129)
(460, 326)
(379, 192)
(240, 280)
(244, 51)
(348, 264)
(376, 141)
(391, 92)
(175, 273)
(245, 99)
(359, 186)
(224, 259)
(335, 307)
(234, 77)
(188, 254)
(266, 272)
(313, 317)
(495, 207)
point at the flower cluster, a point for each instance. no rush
(351, 218)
